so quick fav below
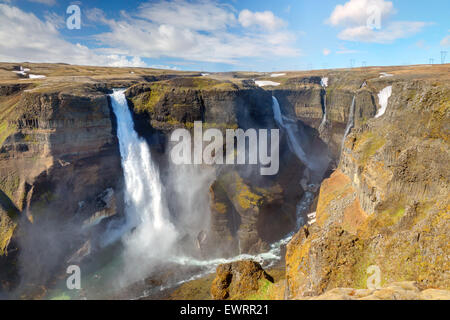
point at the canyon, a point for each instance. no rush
(363, 180)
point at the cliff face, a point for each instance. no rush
(243, 219)
(327, 108)
(55, 137)
(59, 153)
(176, 103)
(387, 204)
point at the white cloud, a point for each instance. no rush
(37, 41)
(355, 17)
(392, 32)
(196, 31)
(266, 20)
(196, 16)
(354, 12)
(122, 61)
(159, 66)
(326, 52)
(55, 19)
(445, 42)
(95, 15)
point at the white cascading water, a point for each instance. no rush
(351, 121)
(153, 236)
(293, 141)
(383, 98)
(324, 83)
(294, 145)
(145, 207)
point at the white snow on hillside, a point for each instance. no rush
(266, 83)
(36, 76)
(384, 75)
(383, 98)
(275, 75)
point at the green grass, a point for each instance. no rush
(62, 296)
(368, 145)
(263, 293)
(5, 131)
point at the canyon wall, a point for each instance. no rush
(59, 155)
(387, 204)
(243, 219)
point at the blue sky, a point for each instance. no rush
(228, 35)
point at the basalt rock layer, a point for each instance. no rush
(59, 153)
(387, 205)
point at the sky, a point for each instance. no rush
(227, 35)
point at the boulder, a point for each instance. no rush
(239, 280)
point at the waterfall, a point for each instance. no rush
(314, 169)
(145, 206)
(351, 121)
(289, 128)
(324, 119)
(324, 83)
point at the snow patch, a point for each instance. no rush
(22, 71)
(383, 98)
(266, 83)
(275, 75)
(384, 75)
(36, 76)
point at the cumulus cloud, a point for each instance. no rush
(266, 20)
(196, 31)
(122, 61)
(24, 37)
(200, 31)
(355, 12)
(357, 17)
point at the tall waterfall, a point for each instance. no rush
(313, 166)
(351, 121)
(324, 83)
(146, 211)
(289, 128)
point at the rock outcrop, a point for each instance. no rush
(239, 280)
